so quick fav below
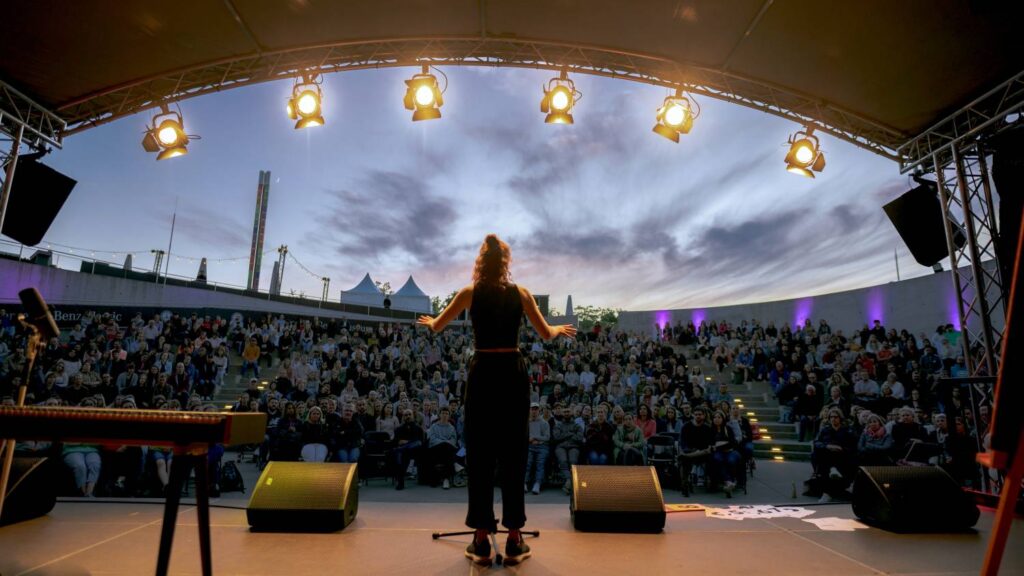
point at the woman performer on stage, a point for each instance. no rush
(497, 397)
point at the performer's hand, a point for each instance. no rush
(567, 330)
(426, 321)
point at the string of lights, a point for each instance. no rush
(424, 96)
(93, 252)
(303, 268)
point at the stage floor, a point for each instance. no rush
(94, 537)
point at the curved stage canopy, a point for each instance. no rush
(876, 73)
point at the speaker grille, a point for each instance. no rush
(303, 486)
(617, 489)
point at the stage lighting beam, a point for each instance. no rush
(805, 156)
(304, 105)
(560, 96)
(166, 134)
(424, 96)
(675, 116)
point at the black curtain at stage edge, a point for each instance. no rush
(1008, 176)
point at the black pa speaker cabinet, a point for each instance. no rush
(31, 489)
(917, 216)
(37, 194)
(304, 497)
(912, 499)
(616, 499)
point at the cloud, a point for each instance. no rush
(385, 216)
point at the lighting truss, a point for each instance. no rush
(103, 107)
(966, 197)
(38, 126)
(984, 116)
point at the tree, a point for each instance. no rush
(588, 315)
(384, 287)
(439, 304)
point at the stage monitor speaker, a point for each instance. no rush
(616, 499)
(37, 194)
(912, 499)
(31, 489)
(917, 216)
(304, 497)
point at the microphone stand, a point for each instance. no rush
(34, 345)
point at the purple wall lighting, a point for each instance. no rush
(876, 306)
(952, 309)
(802, 311)
(697, 316)
(663, 318)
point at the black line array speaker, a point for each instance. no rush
(31, 489)
(912, 499)
(917, 216)
(37, 194)
(616, 499)
(304, 497)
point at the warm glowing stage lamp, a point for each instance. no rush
(304, 105)
(805, 156)
(675, 116)
(560, 95)
(166, 135)
(423, 96)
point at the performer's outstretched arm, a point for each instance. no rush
(546, 331)
(461, 301)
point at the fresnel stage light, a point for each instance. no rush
(423, 96)
(304, 105)
(805, 156)
(166, 134)
(560, 95)
(676, 116)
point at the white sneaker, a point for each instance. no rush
(459, 467)
(825, 499)
(536, 488)
(446, 485)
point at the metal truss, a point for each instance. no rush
(19, 114)
(103, 107)
(966, 196)
(982, 117)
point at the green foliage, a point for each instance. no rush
(384, 287)
(439, 304)
(588, 315)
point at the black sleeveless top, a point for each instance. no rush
(496, 312)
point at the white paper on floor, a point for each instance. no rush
(834, 524)
(757, 511)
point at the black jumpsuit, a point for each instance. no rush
(497, 409)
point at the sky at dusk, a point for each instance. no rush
(604, 210)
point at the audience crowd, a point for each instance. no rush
(353, 392)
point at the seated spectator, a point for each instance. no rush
(567, 439)
(865, 390)
(315, 437)
(875, 445)
(743, 431)
(645, 422)
(725, 459)
(695, 443)
(787, 395)
(671, 423)
(906, 432)
(346, 434)
(806, 411)
(408, 441)
(387, 422)
(835, 447)
(629, 443)
(442, 446)
(286, 438)
(599, 443)
(84, 462)
(958, 451)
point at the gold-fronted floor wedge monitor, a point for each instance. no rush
(304, 497)
(616, 499)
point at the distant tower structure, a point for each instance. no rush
(258, 229)
(275, 279)
(128, 262)
(568, 306)
(201, 276)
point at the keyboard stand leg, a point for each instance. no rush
(179, 472)
(203, 511)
